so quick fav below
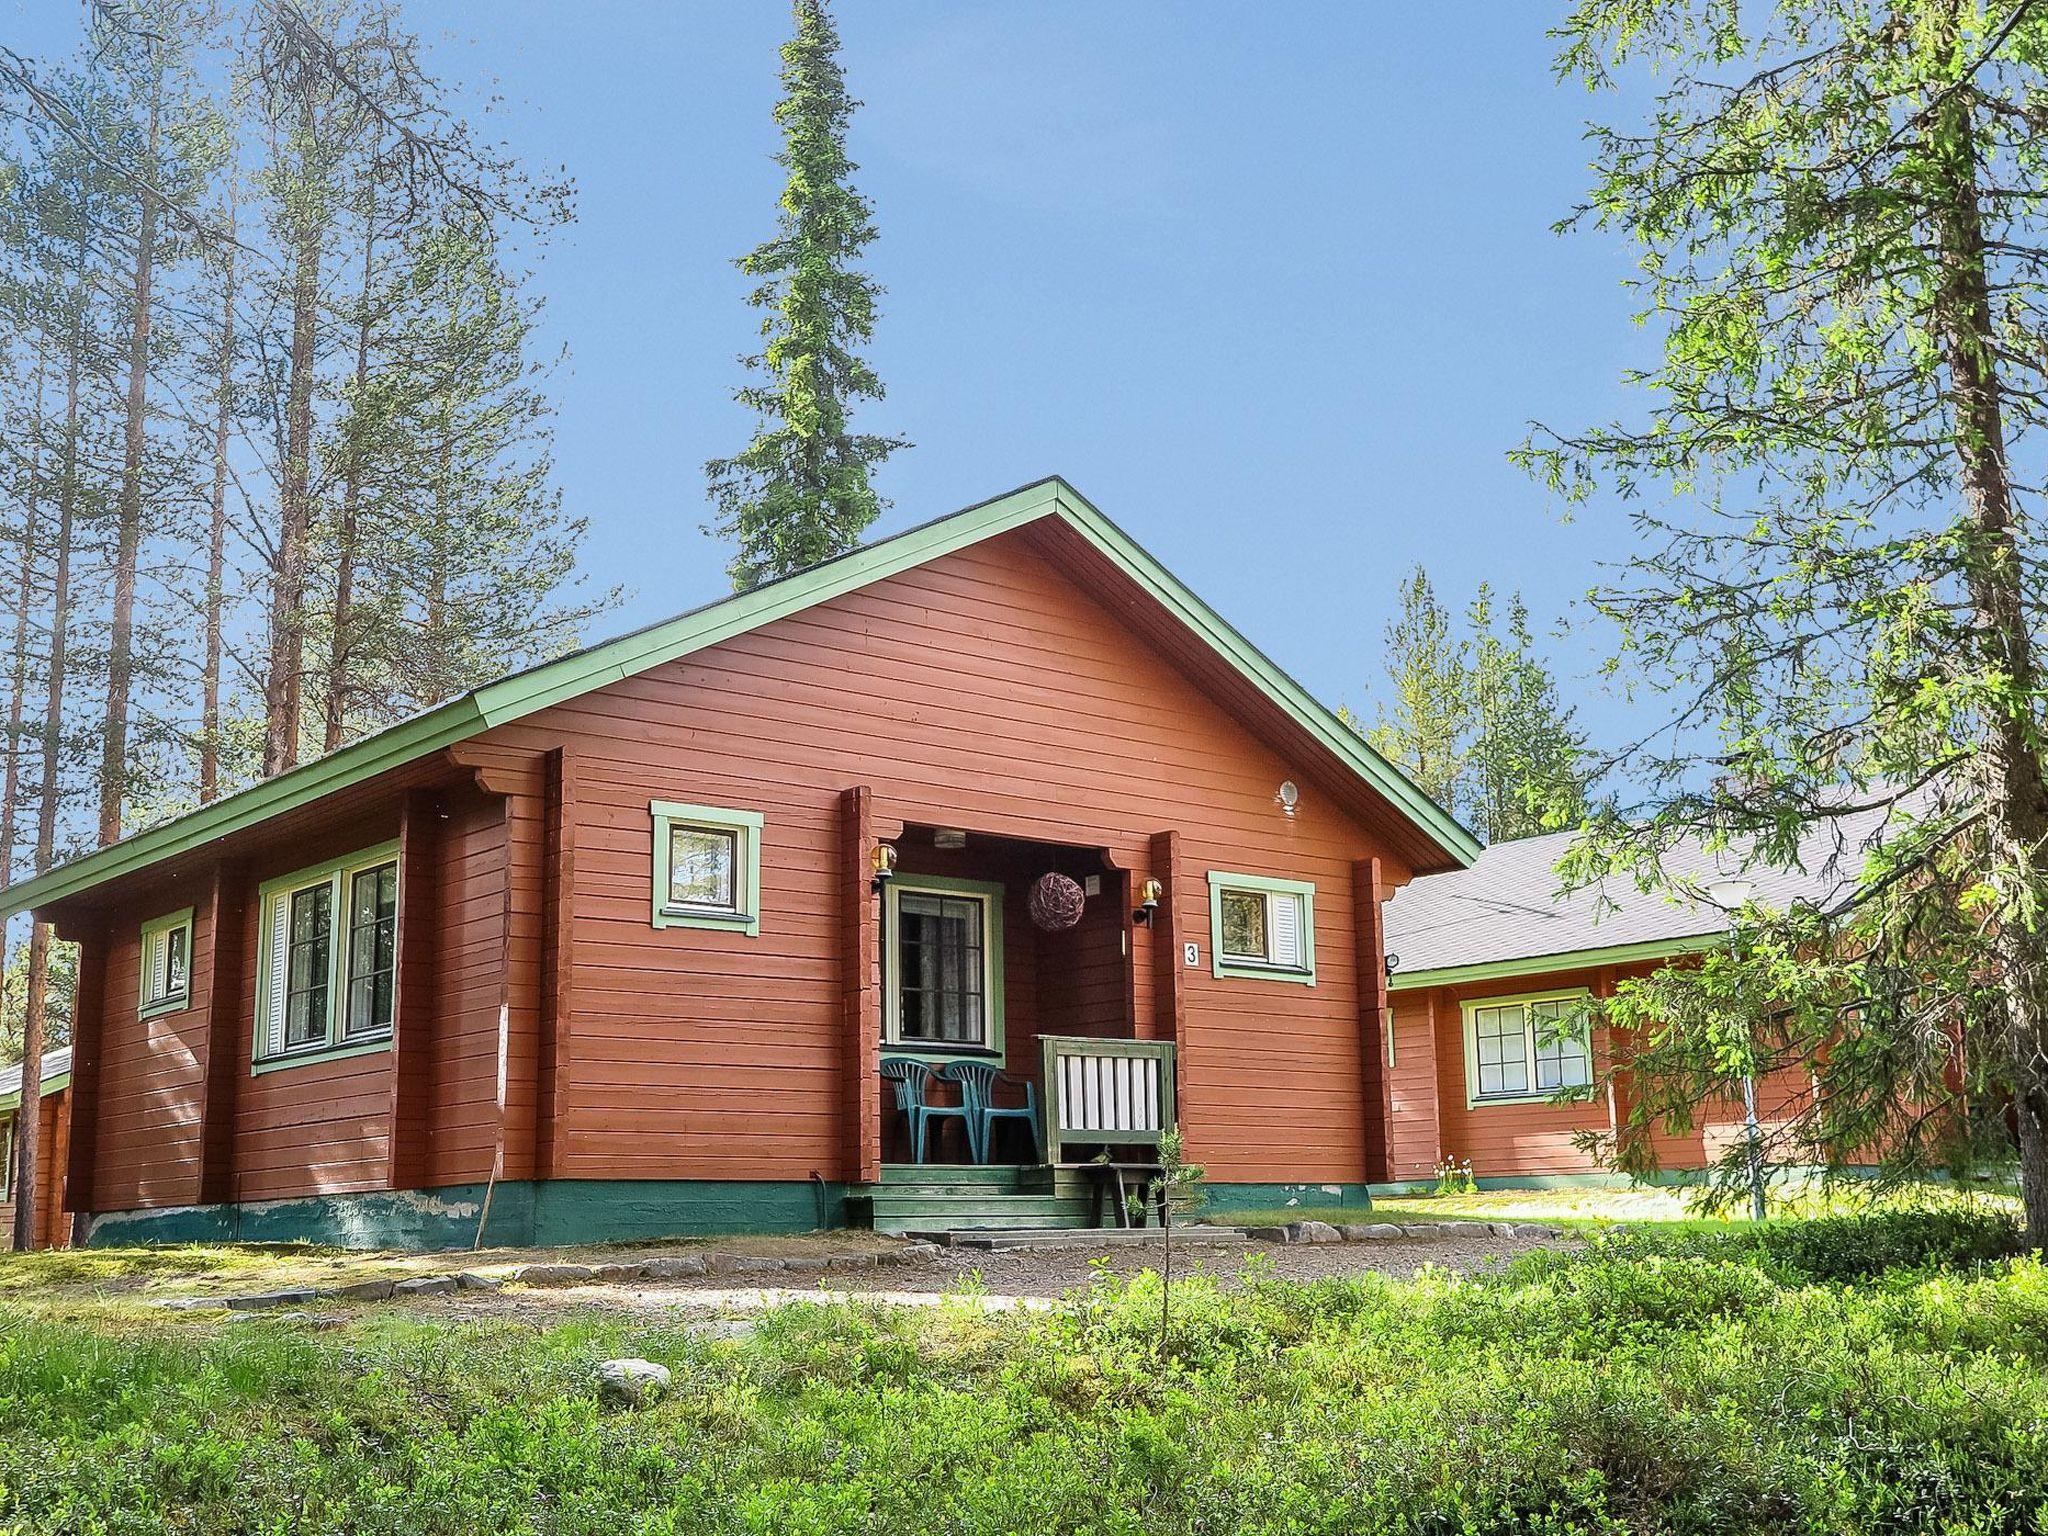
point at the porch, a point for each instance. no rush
(1010, 1057)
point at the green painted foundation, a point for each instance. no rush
(522, 1214)
(1222, 1199)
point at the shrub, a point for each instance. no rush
(1837, 1248)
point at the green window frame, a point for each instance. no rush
(989, 894)
(1530, 1063)
(327, 960)
(6, 1157)
(1273, 935)
(164, 972)
(727, 898)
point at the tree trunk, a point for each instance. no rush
(284, 688)
(340, 638)
(128, 538)
(217, 522)
(17, 670)
(2008, 761)
(38, 999)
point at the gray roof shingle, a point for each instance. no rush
(55, 1064)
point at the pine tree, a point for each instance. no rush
(801, 492)
(1424, 727)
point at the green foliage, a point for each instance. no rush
(1668, 1392)
(800, 492)
(1475, 718)
(1839, 212)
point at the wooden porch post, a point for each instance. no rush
(227, 1047)
(861, 990)
(1369, 933)
(557, 961)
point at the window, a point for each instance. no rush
(1262, 927)
(1526, 1047)
(328, 959)
(707, 867)
(6, 1157)
(945, 960)
(166, 963)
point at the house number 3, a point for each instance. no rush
(1191, 954)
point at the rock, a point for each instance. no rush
(1531, 1229)
(611, 1274)
(1371, 1232)
(190, 1304)
(265, 1301)
(359, 1290)
(424, 1285)
(804, 1266)
(552, 1274)
(1269, 1234)
(1421, 1229)
(469, 1280)
(743, 1263)
(680, 1266)
(635, 1383)
(851, 1261)
(1501, 1228)
(1313, 1232)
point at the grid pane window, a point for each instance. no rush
(1561, 1058)
(308, 951)
(1524, 1048)
(1502, 1046)
(703, 865)
(942, 966)
(372, 951)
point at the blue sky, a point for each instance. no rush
(1274, 286)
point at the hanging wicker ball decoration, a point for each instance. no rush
(1056, 902)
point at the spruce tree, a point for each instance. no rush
(800, 492)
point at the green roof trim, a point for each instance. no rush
(1569, 960)
(610, 661)
(56, 1082)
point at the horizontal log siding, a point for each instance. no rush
(983, 691)
(53, 1151)
(152, 1086)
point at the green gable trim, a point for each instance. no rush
(1570, 960)
(57, 1082)
(523, 693)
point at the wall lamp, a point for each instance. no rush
(1393, 964)
(883, 862)
(1148, 902)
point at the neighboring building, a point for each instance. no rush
(53, 1226)
(603, 944)
(1484, 955)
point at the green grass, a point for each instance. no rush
(1723, 1387)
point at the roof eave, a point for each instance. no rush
(1566, 960)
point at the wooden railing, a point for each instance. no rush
(1117, 1092)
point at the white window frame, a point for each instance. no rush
(990, 894)
(156, 938)
(744, 827)
(336, 875)
(1268, 888)
(1530, 1043)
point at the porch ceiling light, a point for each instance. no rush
(883, 862)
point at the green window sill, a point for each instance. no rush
(729, 922)
(329, 1053)
(1238, 971)
(162, 1005)
(1581, 1093)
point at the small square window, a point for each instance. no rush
(707, 867)
(1262, 927)
(167, 963)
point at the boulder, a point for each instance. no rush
(1269, 1234)
(360, 1290)
(1371, 1232)
(634, 1383)
(552, 1274)
(469, 1280)
(851, 1261)
(265, 1301)
(676, 1266)
(612, 1274)
(1313, 1232)
(1422, 1229)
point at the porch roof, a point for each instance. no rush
(1433, 839)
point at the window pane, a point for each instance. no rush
(1501, 1049)
(372, 950)
(306, 960)
(939, 966)
(1244, 925)
(1562, 1060)
(701, 868)
(174, 960)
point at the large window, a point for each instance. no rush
(945, 964)
(1261, 926)
(707, 867)
(166, 963)
(328, 960)
(1526, 1047)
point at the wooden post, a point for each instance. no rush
(412, 1013)
(1168, 992)
(557, 962)
(1369, 933)
(88, 1024)
(860, 949)
(227, 1046)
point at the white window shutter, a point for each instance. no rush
(1285, 915)
(280, 958)
(152, 967)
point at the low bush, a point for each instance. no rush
(1837, 1248)
(1707, 1388)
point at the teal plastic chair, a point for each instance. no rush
(978, 1082)
(912, 1078)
